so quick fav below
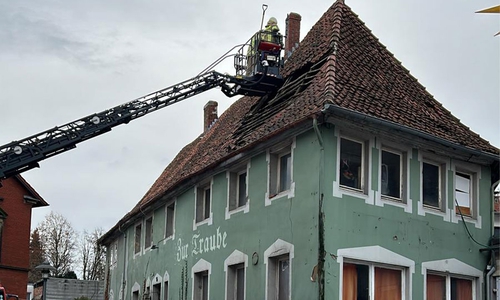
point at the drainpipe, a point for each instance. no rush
(321, 225)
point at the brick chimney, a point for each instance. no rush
(292, 33)
(209, 115)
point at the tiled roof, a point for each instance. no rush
(339, 62)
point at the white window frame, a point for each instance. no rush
(233, 190)
(138, 251)
(364, 165)
(474, 171)
(235, 259)
(273, 158)
(201, 266)
(441, 185)
(278, 249)
(444, 166)
(379, 256)
(166, 236)
(147, 247)
(202, 188)
(403, 175)
(456, 269)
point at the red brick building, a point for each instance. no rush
(17, 198)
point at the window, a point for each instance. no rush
(200, 286)
(138, 237)
(149, 233)
(203, 203)
(431, 185)
(238, 188)
(447, 287)
(463, 193)
(280, 171)
(278, 259)
(236, 282)
(135, 295)
(169, 220)
(156, 292)
(369, 281)
(392, 178)
(279, 277)
(351, 164)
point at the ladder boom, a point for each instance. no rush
(19, 156)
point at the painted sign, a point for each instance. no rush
(202, 244)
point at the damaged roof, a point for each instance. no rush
(339, 62)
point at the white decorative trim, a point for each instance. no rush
(166, 277)
(135, 288)
(156, 279)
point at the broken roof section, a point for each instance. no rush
(340, 62)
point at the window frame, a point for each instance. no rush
(274, 173)
(156, 291)
(403, 174)
(272, 256)
(364, 168)
(138, 239)
(448, 282)
(169, 221)
(234, 188)
(466, 211)
(201, 269)
(372, 266)
(148, 233)
(441, 185)
(200, 199)
(237, 259)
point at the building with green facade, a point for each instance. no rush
(351, 182)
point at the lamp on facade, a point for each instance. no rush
(45, 268)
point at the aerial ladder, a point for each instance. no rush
(257, 63)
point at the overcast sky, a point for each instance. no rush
(62, 60)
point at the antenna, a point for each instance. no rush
(264, 8)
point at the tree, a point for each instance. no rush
(92, 255)
(37, 256)
(58, 239)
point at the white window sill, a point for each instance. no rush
(245, 208)
(207, 221)
(288, 193)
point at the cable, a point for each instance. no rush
(467, 229)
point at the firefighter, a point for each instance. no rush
(271, 30)
(269, 34)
